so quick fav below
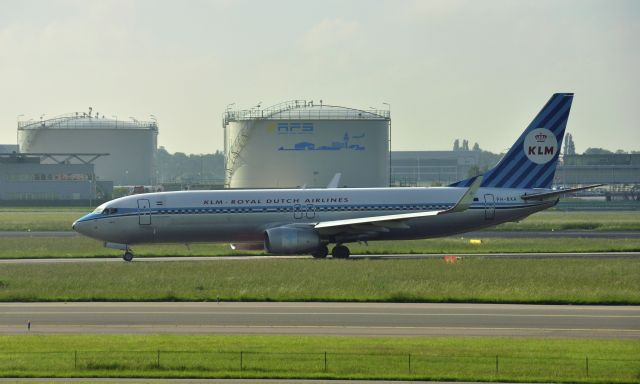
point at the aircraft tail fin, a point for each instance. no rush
(531, 161)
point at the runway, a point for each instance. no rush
(347, 319)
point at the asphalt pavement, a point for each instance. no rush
(349, 319)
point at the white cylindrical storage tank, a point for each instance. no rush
(297, 144)
(130, 145)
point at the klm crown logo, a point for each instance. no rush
(541, 138)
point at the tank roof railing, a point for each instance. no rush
(59, 158)
(73, 120)
(303, 109)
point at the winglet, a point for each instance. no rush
(334, 181)
(467, 199)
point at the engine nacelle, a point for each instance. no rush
(290, 240)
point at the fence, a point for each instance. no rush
(332, 364)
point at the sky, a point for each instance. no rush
(476, 70)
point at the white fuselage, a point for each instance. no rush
(243, 215)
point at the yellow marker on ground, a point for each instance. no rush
(475, 241)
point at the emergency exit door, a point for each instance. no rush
(144, 212)
(489, 207)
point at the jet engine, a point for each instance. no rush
(290, 240)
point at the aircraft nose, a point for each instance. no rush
(80, 227)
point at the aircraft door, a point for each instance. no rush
(144, 212)
(311, 211)
(489, 207)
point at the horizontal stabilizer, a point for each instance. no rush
(555, 194)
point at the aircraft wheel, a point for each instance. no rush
(128, 256)
(340, 252)
(321, 252)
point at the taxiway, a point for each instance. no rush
(352, 319)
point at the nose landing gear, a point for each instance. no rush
(128, 252)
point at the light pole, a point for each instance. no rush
(90, 191)
(389, 116)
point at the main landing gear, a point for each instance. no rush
(338, 252)
(321, 252)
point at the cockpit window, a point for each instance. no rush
(107, 211)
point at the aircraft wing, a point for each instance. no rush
(555, 194)
(378, 223)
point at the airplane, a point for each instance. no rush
(301, 221)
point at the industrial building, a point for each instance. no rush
(131, 145)
(413, 168)
(50, 179)
(300, 143)
(611, 169)
(424, 168)
(9, 148)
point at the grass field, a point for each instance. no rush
(451, 358)
(474, 279)
(39, 218)
(60, 219)
(592, 220)
(79, 246)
